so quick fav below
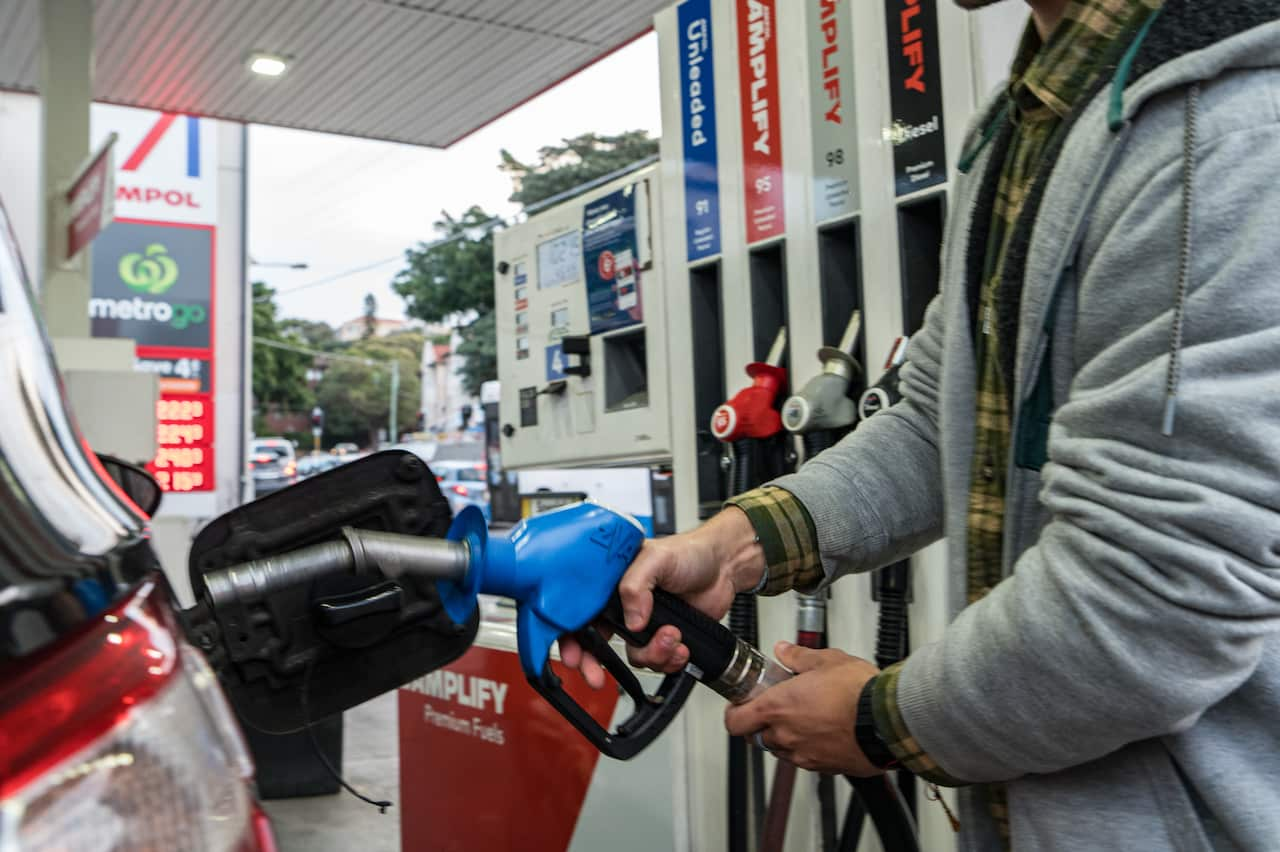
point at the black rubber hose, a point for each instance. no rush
(892, 819)
(854, 818)
(816, 442)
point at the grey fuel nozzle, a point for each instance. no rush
(823, 404)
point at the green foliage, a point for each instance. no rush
(279, 376)
(443, 280)
(579, 160)
(370, 315)
(313, 335)
(479, 348)
(356, 396)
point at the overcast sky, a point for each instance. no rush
(338, 203)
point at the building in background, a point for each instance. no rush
(355, 329)
(444, 400)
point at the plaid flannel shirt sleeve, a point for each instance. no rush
(893, 731)
(787, 534)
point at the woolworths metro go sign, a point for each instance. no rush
(154, 284)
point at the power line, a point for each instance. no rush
(487, 226)
(315, 353)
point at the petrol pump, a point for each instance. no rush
(810, 146)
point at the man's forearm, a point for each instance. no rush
(736, 546)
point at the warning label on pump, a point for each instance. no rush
(761, 119)
(835, 142)
(609, 252)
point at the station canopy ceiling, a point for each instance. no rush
(423, 72)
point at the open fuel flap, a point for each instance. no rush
(314, 648)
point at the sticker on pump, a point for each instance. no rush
(723, 421)
(625, 280)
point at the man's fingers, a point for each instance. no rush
(592, 672)
(636, 588)
(797, 658)
(747, 718)
(664, 653)
(570, 652)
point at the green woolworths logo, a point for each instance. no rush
(153, 272)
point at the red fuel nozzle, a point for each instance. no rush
(751, 412)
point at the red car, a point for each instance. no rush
(114, 733)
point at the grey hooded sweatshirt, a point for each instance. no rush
(1124, 678)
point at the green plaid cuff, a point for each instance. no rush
(788, 537)
(893, 730)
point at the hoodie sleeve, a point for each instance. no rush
(876, 497)
(1154, 589)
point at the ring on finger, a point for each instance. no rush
(759, 741)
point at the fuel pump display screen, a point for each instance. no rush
(559, 260)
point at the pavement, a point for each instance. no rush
(341, 822)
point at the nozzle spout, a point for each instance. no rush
(360, 552)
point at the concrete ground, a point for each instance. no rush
(341, 822)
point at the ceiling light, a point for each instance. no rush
(268, 65)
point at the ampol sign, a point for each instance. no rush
(166, 164)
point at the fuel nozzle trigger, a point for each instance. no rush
(562, 569)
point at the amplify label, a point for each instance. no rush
(474, 733)
(761, 119)
(698, 111)
(915, 95)
(835, 140)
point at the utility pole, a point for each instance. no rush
(395, 394)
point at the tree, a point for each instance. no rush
(579, 160)
(309, 333)
(479, 348)
(370, 315)
(451, 280)
(452, 276)
(356, 395)
(279, 376)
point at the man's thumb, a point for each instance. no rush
(797, 657)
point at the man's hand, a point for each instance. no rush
(706, 567)
(808, 720)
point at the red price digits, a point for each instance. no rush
(170, 434)
(179, 410)
(180, 457)
(183, 480)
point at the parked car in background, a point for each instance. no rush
(464, 484)
(319, 463)
(274, 465)
(344, 449)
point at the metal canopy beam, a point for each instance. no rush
(422, 72)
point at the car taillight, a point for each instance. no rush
(460, 490)
(290, 469)
(119, 737)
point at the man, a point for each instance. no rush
(1092, 417)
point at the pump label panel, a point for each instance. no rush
(915, 94)
(609, 251)
(698, 111)
(761, 119)
(835, 140)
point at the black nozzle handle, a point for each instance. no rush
(711, 645)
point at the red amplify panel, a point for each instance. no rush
(486, 763)
(761, 119)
